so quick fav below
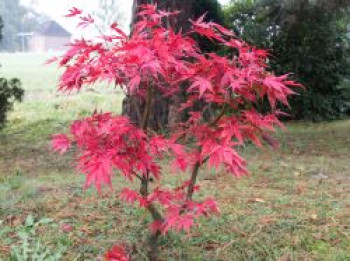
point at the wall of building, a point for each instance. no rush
(54, 43)
(36, 44)
(39, 43)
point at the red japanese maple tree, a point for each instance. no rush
(154, 58)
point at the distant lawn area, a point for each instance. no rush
(295, 205)
(45, 111)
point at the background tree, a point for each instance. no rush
(1, 28)
(305, 39)
(17, 19)
(107, 13)
(164, 111)
(12, 13)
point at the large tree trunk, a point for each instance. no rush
(164, 110)
(181, 21)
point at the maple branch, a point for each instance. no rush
(193, 181)
(198, 164)
(194, 176)
(102, 35)
(145, 180)
(218, 118)
(137, 176)
(156, 215)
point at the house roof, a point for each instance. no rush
(52, 28)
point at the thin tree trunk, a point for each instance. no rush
(152, 251)
(156, 111)
(153, 246)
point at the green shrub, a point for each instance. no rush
(10, 91)
(310, 42)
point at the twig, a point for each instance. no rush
(217, 119)
(255, 234)
(198, 164)
(225, 246)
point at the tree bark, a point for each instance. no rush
(164, 111)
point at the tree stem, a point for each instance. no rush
(198, 164)
(193, 181)
(220, 115)
(153, 246)
(156, 215)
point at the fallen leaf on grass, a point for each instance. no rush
(336, 241)
(93, 217)
(5, 249)
(302, 188)
(297, 173)
(267, 220)
(211, 246)
(314, 217)
(285, 257)
(318, 236)
(13, 221)
(81, 241)
(238, 231)
(43, 190)
(256, 200)
(65, 215)
(66, 228)
(265, 167)
(117, 253)
(88, 231)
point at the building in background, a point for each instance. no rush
(49, 37)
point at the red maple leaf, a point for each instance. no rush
(73, 12)
(60, 143)
(117, 253)
(86, 21)
(202, 84)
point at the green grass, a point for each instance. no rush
(282, 211)
(43, 112)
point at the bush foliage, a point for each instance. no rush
(310, 42)
(10, 91)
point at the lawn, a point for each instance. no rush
(294, 205)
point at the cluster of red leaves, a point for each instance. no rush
(157, 57)
(117, 253)
(106, 142)
(179, 214)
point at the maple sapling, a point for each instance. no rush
(156, 59)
